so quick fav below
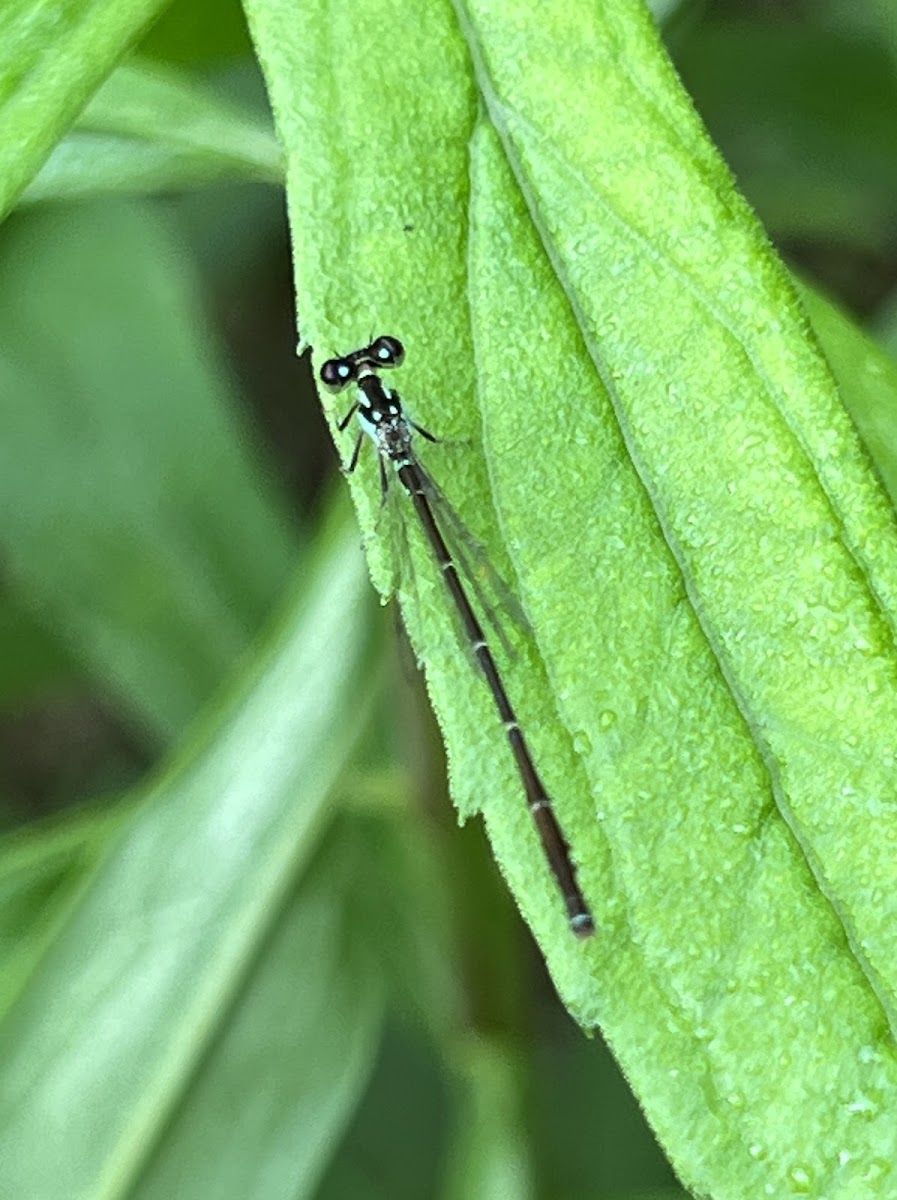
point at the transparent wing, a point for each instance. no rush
(476, 569)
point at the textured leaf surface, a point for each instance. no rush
(105, 1039)
(867, 381)
(706, 558)
(52, 57)
(719, 918)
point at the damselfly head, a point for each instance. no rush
(383, 352)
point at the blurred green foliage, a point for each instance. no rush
(220, 788)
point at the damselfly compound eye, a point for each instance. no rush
(387, 352)
(337, 372)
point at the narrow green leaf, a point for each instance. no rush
(269, 1103)
(52, 57)
(43, 866)
(104, 1042)
(867, 381)
(490, 1156)
(886, 326)
(149, 129)
(706, 559)
(151, 514)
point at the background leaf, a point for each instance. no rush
(293, 1056)
(51, 60)
(180, 1067)
(152, 956)
(153, 513)
(812, 166)
(149, 128)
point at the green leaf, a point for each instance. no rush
(706, 559)
(166, 954)
(41, 869)
(867, 381)
(490, 1157)
(52, 57)
(886, 326)
(272, 1099)
(151, 514)
(150, 129)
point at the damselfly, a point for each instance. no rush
(380, 414)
